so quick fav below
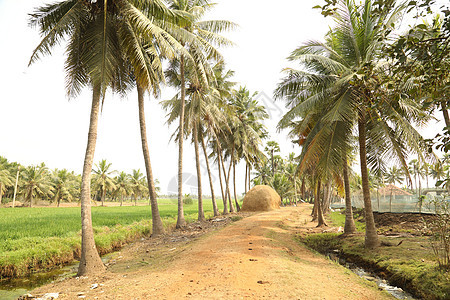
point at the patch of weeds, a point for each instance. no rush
(236, 218)
(322, 242)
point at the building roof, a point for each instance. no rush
(393, 190)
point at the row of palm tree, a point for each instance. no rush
(60, 185)
(122, 44)
(340, 102)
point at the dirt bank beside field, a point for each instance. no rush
(254, 258)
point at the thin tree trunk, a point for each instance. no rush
(327, 198)
(90, 261)
(220, 175)
(121, 200)
(15, 187)
(228, 191)
(295, 191)
(103, 197)
(445, 113)
(245, 181)
(238, 208)
(320, 219)
(201, 214)
(314, 212)
(58, 202)
(249, 178)
(224, 193)
(232, 209)
(371, 239)
(303, 189)
(157, 225)
(180, 219)
(349, 226)
(211, 185)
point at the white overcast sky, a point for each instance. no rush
(39, 124)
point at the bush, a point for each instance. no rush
(187, 199)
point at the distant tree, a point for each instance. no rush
(136, 183)
(35, 182)
(64, 184)
(6, 179)
(122, 186)
(102, 179)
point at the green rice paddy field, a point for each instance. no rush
(39, 238)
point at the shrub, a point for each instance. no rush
(187, 199)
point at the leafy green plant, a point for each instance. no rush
(187, 199)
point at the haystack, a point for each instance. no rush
(261, 198)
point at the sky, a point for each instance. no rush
(38, 123)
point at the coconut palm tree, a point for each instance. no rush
(122, 186)
(102, 179)
(341, 85)
(201, 48)
(136, 184)
(6, 180)
(35, 182)
(65, 184)
(394, 175)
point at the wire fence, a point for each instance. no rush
(397, 203)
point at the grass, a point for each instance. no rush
(407, 264)
(42, 237)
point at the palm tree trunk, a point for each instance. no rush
(211, 185)
(228, 180)
(103, 196)
(238, 208)
(445, 113)
(303, 189)
(349, 226)
(245, 183)
(320, 219)
(201, 214)
(157, 225)
(121, 200)
(180, 219)
(227, 186)
(224, 193)
(371, 239)
(90, 261)
(249, 174)
(15, 187)
(327, 198)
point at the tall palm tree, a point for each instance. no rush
(341, 86)
(201, 48)
(102, 178)
(101, 46)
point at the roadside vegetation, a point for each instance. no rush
(405, 258)
(40, 238)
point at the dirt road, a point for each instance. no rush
(254, 258)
